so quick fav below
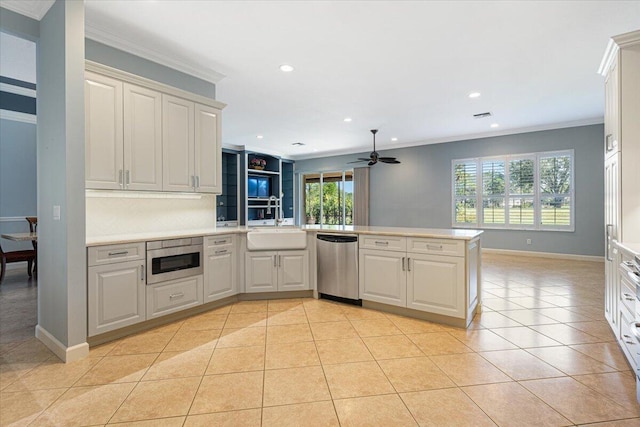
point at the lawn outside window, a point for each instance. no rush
(519, 192)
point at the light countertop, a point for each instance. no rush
(459, 234)
(631, 247)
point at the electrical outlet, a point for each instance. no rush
(528, 241)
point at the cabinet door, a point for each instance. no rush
(175, 295)
(177, 144)
(382, 277)
(219, 274)
(436, 284)
(142, 138)
(612, 223)
(612, 109)
(293, 270)
(208, 150)
(103, 132)
(261, 272)
(115, 296)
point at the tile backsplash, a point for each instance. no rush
(117, 213)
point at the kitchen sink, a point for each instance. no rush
(265, 239)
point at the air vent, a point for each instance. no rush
(482, 115)
(298, 143)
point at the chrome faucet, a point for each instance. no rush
(278, 219)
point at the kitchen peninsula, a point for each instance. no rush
(440, 282)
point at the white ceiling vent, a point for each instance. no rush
(482, 115)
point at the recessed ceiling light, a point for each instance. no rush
(494, 125)
(474, 95)
(394, 139)
(347, 119)
(286, 68)
(259, 136)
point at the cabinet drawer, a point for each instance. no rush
(390, 243)
(628, 342)
(176, 295)
(219, 241)
(100, 255)
(435, 246)
(627, 291)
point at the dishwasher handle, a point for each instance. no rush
(337, 238)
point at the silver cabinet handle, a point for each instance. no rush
(142, 272)
(434, 247)
(628, 263)
(120, 178)
(274, 261)
(223, 251)
(219, 242)
(609, 227)
(408, 264)
(629, 297)
(197, 181)
(176, 295)
(127, 178)
(383, 243)
(193, 181)
(118, 253)
(402, 263)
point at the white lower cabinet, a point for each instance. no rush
(382, 277)
(436, 284)
(174, 295)
(116, 296)
(276, 271)
(219, 269)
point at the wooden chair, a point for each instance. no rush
(28, 255)
(33, 227)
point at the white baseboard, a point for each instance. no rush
(64, 353)
(543, 255)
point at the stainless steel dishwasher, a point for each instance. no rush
(338, 267)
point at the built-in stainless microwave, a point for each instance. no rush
(173, 259)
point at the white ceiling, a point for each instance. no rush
(403, 67)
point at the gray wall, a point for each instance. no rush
(19, 25)
(417, 193)
(124, 61)
(17, 178)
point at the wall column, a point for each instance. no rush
(62, 290)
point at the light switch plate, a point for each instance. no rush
(56, 213)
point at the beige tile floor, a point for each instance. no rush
(540, 354)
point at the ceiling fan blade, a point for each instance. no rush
(359, 161)
(373, 162)
(389, 160)
(386, 158)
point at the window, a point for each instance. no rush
(530, 191)
(328, 198)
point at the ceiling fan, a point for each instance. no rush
(373, 156)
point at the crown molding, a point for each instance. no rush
(16, 116)
(614, 45)
(625, 39)
(100, 34)
(505, 132)
(34, 9)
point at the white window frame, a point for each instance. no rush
(537, 194)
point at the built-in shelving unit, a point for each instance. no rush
(266, 176)
(227, 206)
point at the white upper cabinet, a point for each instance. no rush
(123, 125)
(143, 135)
(178, 144)
(104, 167)
(142, 138)
(191, 146)
(208, 149)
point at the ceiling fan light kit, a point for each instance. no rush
(374, 157)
